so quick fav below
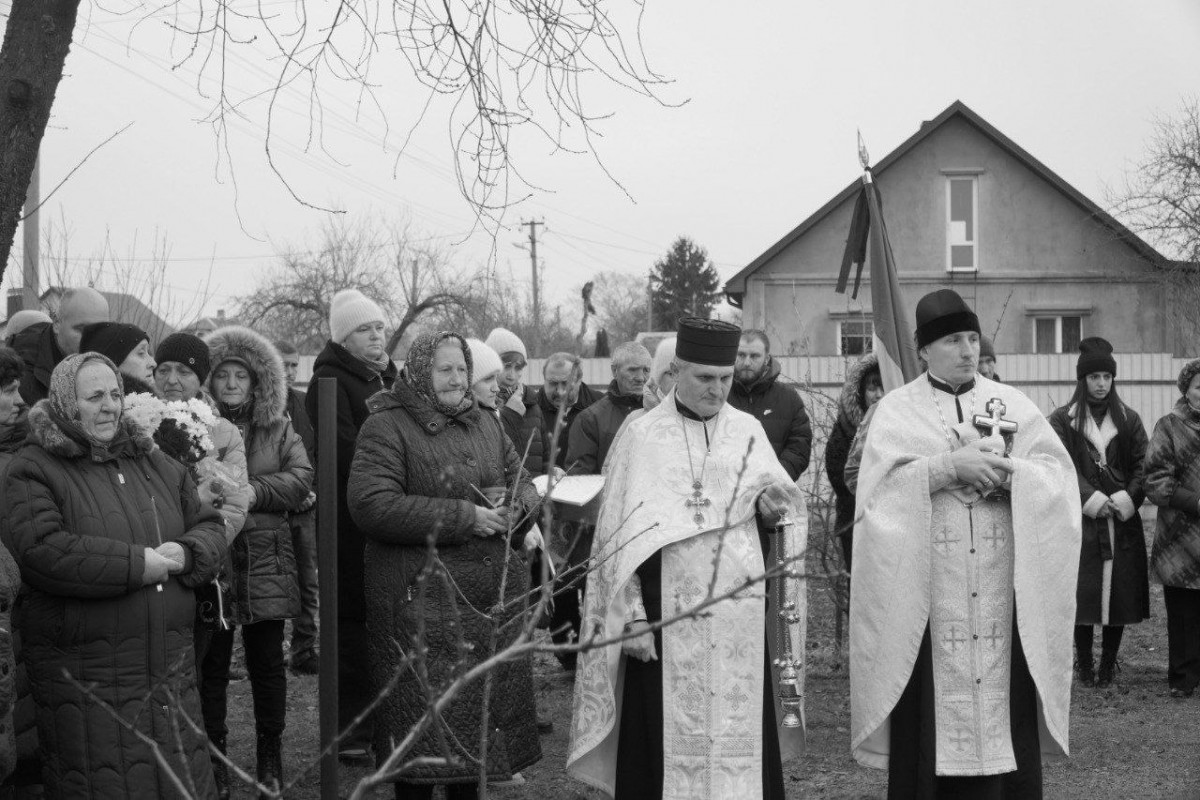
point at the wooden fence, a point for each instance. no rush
(1146, 381)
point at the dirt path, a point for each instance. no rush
(1133, 742)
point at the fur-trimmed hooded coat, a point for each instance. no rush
(263, 584)
(412, 479)
(1172, 480)
(851, 408)
(78, 520)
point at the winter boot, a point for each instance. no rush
(1087, 668)
(270, 764)
(1108, 665)
(220, 769)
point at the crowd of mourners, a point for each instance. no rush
(129, 563)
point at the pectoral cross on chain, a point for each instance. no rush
(698, 501)
(993, 422)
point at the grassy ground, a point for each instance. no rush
(1131, 741)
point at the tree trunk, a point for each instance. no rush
(36, 43)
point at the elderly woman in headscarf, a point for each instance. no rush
(111, 541)
(432, 469)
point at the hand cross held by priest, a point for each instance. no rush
(964, 571)
(684, 707)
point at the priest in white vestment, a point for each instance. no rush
(689, 712)
(964, 578)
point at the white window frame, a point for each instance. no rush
(870, 340)
(973, 177)
(1058, 329)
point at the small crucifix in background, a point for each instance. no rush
(993, 422)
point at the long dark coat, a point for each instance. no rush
(412, 480)
(1124, 446)
(356, 382)
(526, 427)
(851, 408)
(78, 522)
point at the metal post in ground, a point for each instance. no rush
(327, 556)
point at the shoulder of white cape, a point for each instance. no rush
(1017, 404)
(739, 423)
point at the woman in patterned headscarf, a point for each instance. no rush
(431, 468)
(112, 541)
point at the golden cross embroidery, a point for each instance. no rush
(955, 638)
(944, 542)
(994, 537)
(698, 501)
(993, 637)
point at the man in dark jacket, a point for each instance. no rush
(355, 357)
(304, 660)
(42, 345)
(562, 385)
(758, 391)
(591, 434)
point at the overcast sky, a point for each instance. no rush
(775, 92)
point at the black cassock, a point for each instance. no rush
(912, 762)
(640, 738)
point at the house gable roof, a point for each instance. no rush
(735, 287)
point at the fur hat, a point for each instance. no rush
(664, 356)
(484, 359)
(502, 340)
(22, 320)
(1095, 355)
(244, 346)
(186, 349)
(116, 340)
(349, 309)
(1190, 370)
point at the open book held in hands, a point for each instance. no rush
(572, 490)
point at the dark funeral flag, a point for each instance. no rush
(893, 336)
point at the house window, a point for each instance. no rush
(1057, 334)
(854, 337)
(962, 223)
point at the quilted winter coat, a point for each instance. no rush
(1173, 484)
(263, 584)
(526, 428)
(412, 478)
(77, 521)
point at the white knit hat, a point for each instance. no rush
(502, 340)
(484, 360)
(349, 309)
(664, 354)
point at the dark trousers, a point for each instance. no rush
(263, 642)
(304, 626)
(454, 791)
(1183, 637)
(354, 681)
(569, 587)
(1110, 639)
(912, 764)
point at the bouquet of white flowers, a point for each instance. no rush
(181, 429)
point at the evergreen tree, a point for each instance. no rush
(684, 284)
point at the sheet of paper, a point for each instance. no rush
(574, 490)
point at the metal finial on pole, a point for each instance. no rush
(864, 157)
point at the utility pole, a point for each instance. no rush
(537, 302)
(30, 233)
(650, 303)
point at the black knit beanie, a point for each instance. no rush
(1095, 355)
(116, 340)
(186, 349)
